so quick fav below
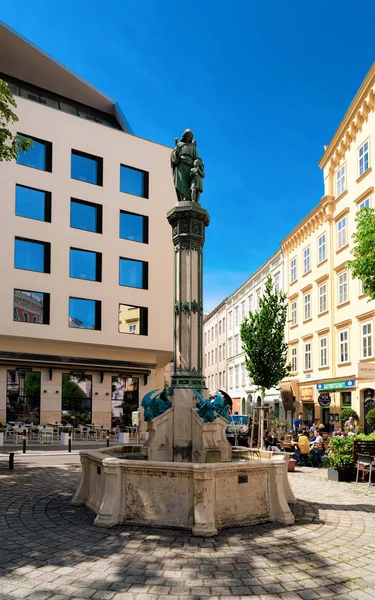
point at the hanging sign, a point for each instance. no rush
(306, 394)
(324, 400)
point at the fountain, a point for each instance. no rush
(188, 479)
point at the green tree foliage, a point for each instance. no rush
(370, 417)
(346, 413)
(363, 264)
(10, 145)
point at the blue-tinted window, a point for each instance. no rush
(31, 307)
(133, 227)
(32, 255)
(133, 181)
(84, 314)
(134, 273)
(85, 264)
(86, 215)
(39, 156)
(33, 204)
(86, 167)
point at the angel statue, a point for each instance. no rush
(187, 172)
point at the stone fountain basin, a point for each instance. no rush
(201, 497)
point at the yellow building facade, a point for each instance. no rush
(331, 321)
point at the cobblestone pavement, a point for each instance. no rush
(51, 550)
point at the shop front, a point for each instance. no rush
(333, 396)
(306, 397)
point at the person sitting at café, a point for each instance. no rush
(271, 441)
(303, 447)
(317, 438)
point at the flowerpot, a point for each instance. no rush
(64, 439)
(1, 438)
(123, 437)
(291, 465)
(340, 473)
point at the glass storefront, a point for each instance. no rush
(23, 396)
(76, 397)
(125, 400)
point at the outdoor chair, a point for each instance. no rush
(366, 464)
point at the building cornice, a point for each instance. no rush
(365, 195)
(366, 316)
(321, 213)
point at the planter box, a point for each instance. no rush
(291, 465)
(340, 473)
(1, 438)
(64, 439)
(123, 437)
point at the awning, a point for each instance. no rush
(287, 397)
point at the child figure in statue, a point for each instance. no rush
(197, 174)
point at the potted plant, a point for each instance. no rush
(370, 418)
(340, 456)
(1, 434)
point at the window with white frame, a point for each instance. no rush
(243, 374)
(306, 260)
(343, 346)
(224, 352)
(230, 320)
(224, 379)
(215, 355)
(257, 298)
(205, 339)
(220, 349)
(294, 359)
(293, 312)
(365, 204)
(242, 310)
(212, 333)
(229, 347)
(219, 327)
(212, 357)
(215, 331)
(340, 181)
(236, 344)
(236, 315)
(220, 379)
(322, 248)
(307, 356)
(363, 158)
(215, 381)
(250, 302)
(277, 282)
(341, 233)
(343, 287)
(293, 270)
(223, 324)
(361, 288)
(209, 359)
(208, 336)
(237, 376)
(323, 351)
(231, 378)
(366, 340)
(205, 360)
(322, 298)
(307, 307)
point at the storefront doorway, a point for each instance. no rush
(125, 400)
(23, 396)
(76, 397)
(368, 404)
(308, 413)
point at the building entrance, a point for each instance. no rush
(368, 404)
(23, 396)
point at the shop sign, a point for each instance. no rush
(336, 385)
(306, 394)
(324, 400)
(366, 370)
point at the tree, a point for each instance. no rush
(346, 413)
(370, 417)
(363, 264)
(10, 145)
(262, 335)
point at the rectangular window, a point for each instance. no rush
(231, 378)
(366, 340)
(220, 352)
(212, 357)
(133, 227)
(361, 288)
(257, 298)
(242, 311)
(212, 333)
(133, 181)
(237, 377)
(229, 347)
(85, 314)
(133, 273)
(250, 303)
(294, 359)
(224, 379)
(323, 298)
(33, 203)
(236, 314)
(343, 288)
(363, 159)
(365, 204)
(307, 354)
(344, 346)
(32, 255)
(277, 282)
(293, 270)
(306, 260)
(293, 311)
(39, 156)
(219, 327)
(132, 319)
(236, 344)
(243, 374)
(76, 397)
(215, 355)
(208, 336)
(209, 359)
(223, 324)
(86, 215)
(216, 331)
(323, 351)
(205, 360)
(307, 307)
(322, 248)
(224, 356)
(340, 181)
(85, 264)
(87, 168)
(220, 379)
(341, 234)
(31, 307)
(230, 320)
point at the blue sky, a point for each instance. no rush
(263, 86)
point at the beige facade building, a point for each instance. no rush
(84, 240)
(215, 348)
(331, 321)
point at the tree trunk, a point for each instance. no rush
(261, 423)
(252, 430)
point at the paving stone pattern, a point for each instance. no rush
(51, 550)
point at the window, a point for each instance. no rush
(322, 248)
(231, 378)
(361, 288)
(205, 360)
(293, 311)
(236, 344)
(365, 204)
(223, 324)
(323, 298)
(220, 379)
(363, 159)
(306, 260)
(366, 340)
(133, 273)
(212, 357)
(293, 270)
(224, 357)
(77, 395)
(87, 168)
(208, 334)
(85, 264)
(323, 351)
(243, 374)
(86, 215)
(33, 203)
(39, 156)
(229, 347)
(344, 346)
(341, 234)
(212, 333)
(236, 315)
(294, 359)
(32, 255)
(277, 282)
(343, 287)
(220, 352)
(219, 327)
(85, 314)
(307, 307)
(216, 331)
(31, 307)
(133, 181)
(230, 320)
(257, 298)
(215, 355)
(340, 181)
(215, 381)
(133, 319)
(250, 302)
(237, 377)
(307, 354)
(133, 227)
(209, 359)
(242, 311)
(223, 379)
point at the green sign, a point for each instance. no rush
(336, 385)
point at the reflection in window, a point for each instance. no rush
(125, 398)
(133, 181)
(86, 215)
(76, 397)
(133, 227)
(33, 204)
(133, 319)
(133, 273)
(85, 264)
(23, 396)
(32, 255)
(31, 307)
(84, 314)
(39, 156)
(86, 167)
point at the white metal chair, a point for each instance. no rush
(365, 464)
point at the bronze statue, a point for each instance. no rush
(187, 167)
